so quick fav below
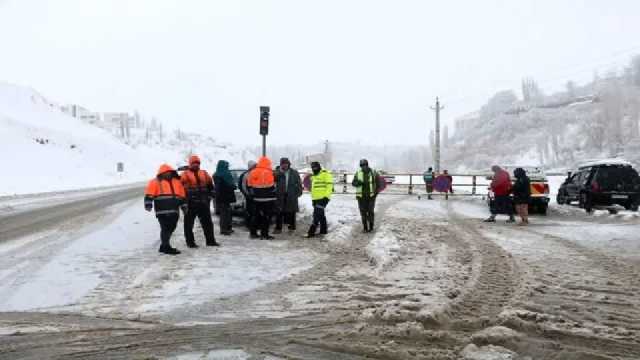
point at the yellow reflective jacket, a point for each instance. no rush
(321, 185)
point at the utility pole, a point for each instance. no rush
(437, 109)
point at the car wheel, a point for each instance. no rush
(632, 206)
(561, 199)
(612, 211)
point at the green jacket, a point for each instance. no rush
(359, 181)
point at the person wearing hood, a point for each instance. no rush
(225, 195)
(261, 184)
(166, 195)
(248, 200)
(200, 191)
(288, 189)
(321, 187)
(522, 194)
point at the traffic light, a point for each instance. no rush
(264, 120)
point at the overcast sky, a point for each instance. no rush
(340, 70)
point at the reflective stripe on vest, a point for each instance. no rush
(372, 182)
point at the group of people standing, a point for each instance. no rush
(271, 195)
(503, 188)
(191, 192)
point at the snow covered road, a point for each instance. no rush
(432, 282)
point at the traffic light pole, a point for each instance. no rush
(436, 156)
(264, 127)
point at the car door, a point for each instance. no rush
(572, 186)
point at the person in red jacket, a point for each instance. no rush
(501, 187)
(166, 195)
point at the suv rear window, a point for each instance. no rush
(622, 178)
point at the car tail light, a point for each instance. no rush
(546, 189)
(595, 187)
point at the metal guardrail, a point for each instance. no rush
(414, 181)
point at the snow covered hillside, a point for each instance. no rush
(596, 120)
(43, 149)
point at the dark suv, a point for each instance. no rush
(602, 184)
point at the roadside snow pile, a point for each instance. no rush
(491, 352)
(46, 150)
(383, 249)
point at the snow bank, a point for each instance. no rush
(47, 150)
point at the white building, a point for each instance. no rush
(81, 113)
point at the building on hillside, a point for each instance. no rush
(115, 119)
(81, 113)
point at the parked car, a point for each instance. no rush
(602, 184)
(539, 188)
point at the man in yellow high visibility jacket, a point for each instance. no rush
(321, 188)
(366, 181)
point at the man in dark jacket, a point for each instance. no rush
(225, 195)
(248, 200)
(522, 194)
(289, 189)
(199, 187)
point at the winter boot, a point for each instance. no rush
(490, 219)
(254, 235)
(170, 251)
(192, 245)
(312, 231)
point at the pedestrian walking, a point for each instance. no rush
(248, 200)
(288, 189)
(225, 195)
(366, 181)
(262, 186)
(321, 187)
(200, 190)
(428, 178)
(166, 195)
(501, 187)
(522, 195)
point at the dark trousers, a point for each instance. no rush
(319, 217)
(203, 213)
(225, 216)
(288, 217)
(503, 205)
(168, 224)
(251, 216)
(264, 212)
(367, 211)
(429, 187)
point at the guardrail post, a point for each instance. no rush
(410, 184)
(344, 187)
(473, 183)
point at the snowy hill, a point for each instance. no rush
(44, 149)
(598, 120)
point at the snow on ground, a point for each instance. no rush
(220, 355)
(76, 154)
(114, 266)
